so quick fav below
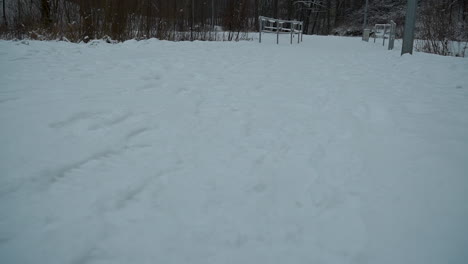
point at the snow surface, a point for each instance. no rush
(331, 151)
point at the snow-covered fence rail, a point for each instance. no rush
(278, 26)
(385, 31)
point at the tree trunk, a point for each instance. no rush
(307, 21)
(315, 22)
(212, 16)
(465, 9)
(275, 9)
(19, 19)
(148, 19)
(87, 23)
(192, 7)
(175, 20)
(4, 14)
(45, 13)
(256, 13)
(328, 16)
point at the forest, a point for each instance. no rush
(119, 20)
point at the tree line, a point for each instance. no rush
(82, 20)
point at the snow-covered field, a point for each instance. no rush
(331, 151)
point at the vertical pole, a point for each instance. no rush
(260, 22)
(292, 30)
(384, 34)
(408, 35)
(391, 42)
(366, 10)
(302, 30)
(277, 31)
(298, 33)
(375, 33)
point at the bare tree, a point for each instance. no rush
(4, 14)
(441, 31)
(45, 13)
(83, 20)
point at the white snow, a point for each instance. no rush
(330, 151)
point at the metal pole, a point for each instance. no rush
(384, 34)
(260, 22)
(366, 10)
(298, 33)
(302, 31)
(292, 31)
(277, 31)
(408, 35)
(391, 41)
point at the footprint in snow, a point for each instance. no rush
(109, 122)
(75, 118)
